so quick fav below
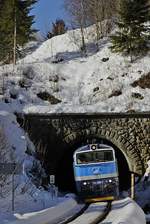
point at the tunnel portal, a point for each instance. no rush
(61, 134)
(65, 175)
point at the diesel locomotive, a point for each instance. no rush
(96, 173)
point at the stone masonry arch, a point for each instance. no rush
(130, 133)
(133, 158)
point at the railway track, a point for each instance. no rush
(75, 216)
(90, 214)
(102, 216)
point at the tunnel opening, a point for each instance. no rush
(65, 175)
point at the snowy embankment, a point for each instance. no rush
(51, 215)
(128, 213)
(124, 211)
(16, 148)
(100, 82)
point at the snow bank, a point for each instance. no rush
(126, 212)
(28, 197)
(143, 195)
(51, 215)
(51, 47)
(148, 218)
(123, 211)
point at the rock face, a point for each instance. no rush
(48, 97)
(137, 96)
(143, 82)
(128, 132)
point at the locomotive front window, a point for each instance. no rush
(94, 156)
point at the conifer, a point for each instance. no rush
(14, 13)
(133, 28)
(58, 28)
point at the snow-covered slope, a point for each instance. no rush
(101, 81)
(14, 143)
(54, 78)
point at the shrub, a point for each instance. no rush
(46, 96)
(137, 96)
(25, 83)
(13, 93)
(57, 59)
(143, 82)
(28, 72)
(115, 93)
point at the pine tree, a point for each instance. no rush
(133, 33)
(14, 14)
(58, 28)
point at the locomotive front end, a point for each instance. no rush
(96, 173)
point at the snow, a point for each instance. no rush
(28, 198)
(50, 215)
(82, 83)
(129, 213)
(74, 80)
(124, 211)
(143, 194)
(148, 218)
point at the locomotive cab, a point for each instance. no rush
(96, 173)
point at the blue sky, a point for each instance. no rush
(46, 12)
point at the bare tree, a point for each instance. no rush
(77, 11)
(98, 12)
(87, 12)
(96, 15)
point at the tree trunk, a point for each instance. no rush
(83, 47)
(15, 35)
(97, 35)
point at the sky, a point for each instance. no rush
(46, 12)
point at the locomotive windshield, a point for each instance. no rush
(94, 156)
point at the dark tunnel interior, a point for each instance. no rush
(64, 173)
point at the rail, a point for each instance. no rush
(102, 216)
(93, 213)
(75, 216)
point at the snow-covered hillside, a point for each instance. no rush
(14, 144)
(100, 82)
(55, 77)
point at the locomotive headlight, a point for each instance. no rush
(93, 147)
(84, 183)
(110, 181)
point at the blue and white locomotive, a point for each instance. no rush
(96, 173)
